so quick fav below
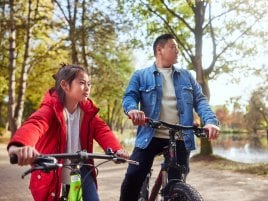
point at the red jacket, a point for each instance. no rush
(45, 130)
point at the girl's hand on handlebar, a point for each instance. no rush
(137, 117)
(25, 154)
(122, 153)
(213, 131)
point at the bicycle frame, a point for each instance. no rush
(50, 162)
(162, 183)
(170, 161)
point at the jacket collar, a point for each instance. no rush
(153, 69)
(51, 99)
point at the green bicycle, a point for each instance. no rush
(49, 162)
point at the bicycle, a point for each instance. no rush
(171, 189)
(50, 162)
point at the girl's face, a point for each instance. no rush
(79, 88)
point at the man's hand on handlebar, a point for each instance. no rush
(213, 131)
(137, 117)
(25, 154)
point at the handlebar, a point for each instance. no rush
(198, 131)
(50, 162)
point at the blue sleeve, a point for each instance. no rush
(131, 97)
(201, 105)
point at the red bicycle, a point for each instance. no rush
(171, 189)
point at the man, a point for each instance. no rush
(163, 92)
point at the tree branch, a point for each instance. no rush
(214, 46)
(187, 50)
(178, 16)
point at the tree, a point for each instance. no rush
(257, 113)
(26, 29)
(12, 67)
(95, 43)
(193, 23)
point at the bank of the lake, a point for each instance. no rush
(218, 162)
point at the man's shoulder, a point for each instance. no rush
(182, 71)
(179, 69)
(146, 70)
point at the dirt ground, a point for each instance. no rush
(213, 184)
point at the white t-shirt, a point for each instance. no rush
(73, 139)
(169, 111)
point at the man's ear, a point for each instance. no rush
(64, 85)
(158, 49)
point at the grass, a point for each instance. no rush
(218, 162)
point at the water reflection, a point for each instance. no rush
(242, 147)
(238, 147)
(243, 154)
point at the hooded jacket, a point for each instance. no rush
(46, 130)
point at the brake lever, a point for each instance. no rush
(116, 158)
(123, 160)
(43, 163)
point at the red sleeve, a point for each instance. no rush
(33, 128)
(103, 134)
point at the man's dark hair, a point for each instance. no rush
(161, 40)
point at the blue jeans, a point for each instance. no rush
(89, 188)
(136, 174)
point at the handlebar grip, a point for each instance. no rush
(146, 119)
(206, 131)
(13, 159)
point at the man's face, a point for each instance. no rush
(169, 52)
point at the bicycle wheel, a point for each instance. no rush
(180, 191)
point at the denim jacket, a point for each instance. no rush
(144, 92)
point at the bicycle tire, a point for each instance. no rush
(180, 191)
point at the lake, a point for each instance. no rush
(238, 147)
(241, 147)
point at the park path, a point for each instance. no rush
(214, 185)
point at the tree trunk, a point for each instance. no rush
(72, 31)
(12, 70)
(84, 38)
(206, 147)
(24, 73)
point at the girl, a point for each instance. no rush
(66, 121)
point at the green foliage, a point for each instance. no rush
(257, 111)
(109, 82)
(238, 29)
(107, 56)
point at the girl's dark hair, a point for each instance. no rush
(161, 40)
(67, 72)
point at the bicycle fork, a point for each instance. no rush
(161, 181)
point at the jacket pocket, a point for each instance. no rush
(187, 94)
(41, 184)
(148, 95)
